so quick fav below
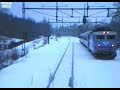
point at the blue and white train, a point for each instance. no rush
(100, 42)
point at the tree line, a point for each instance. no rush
(73, 30)
(115, 21)
(14, 27)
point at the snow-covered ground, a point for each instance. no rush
(6, 55)
(34, 69)
(95, 73)
(6, 40)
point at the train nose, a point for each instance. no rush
(105, 43)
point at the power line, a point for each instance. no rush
(78, 12)
(72, 8)
(99, 4)
(97, 16)
(54, 6)
(69, 17)
(41, 13)
(56, 11)
(75, 22)
(97, 13)
(64, 13)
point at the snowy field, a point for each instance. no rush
(34, 69)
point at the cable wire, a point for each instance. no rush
(99, 4)
(42, 13)
(78, 12)
(65, 13)
(97, 13)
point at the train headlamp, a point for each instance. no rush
(98, 45)
(112, 45)
(103, 32)
(107, 32)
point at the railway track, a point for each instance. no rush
(71, 81)
(71, 77)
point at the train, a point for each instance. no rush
(101, 42)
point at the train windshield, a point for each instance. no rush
(111, 37)
(100, 37)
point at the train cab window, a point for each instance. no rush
(100, 37)
(111, 37)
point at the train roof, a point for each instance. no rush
(101, 29)
(99, 33)
(85, 33)
(104, 32)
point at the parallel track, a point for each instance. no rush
(52, 77)
(71, 79)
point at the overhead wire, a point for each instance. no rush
(78, 12)
(42, 13)
(97, 13)
(68, 14)
(65, 13)
(99, 4)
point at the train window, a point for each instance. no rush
(110, 37)
(100, 37)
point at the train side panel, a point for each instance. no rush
(84, 39)
(91, 44)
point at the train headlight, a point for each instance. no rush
(107, 32)
(112, 45)
(98, 45)
(103, 32)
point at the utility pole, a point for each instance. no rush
(79, 19)
(23, 35)
(84, 9)
(84, 16)
(23, 10)
(48, 31)
(62, 22)
(87, 14)
(56, 11)
(72, 13)
(108, 13)
(96, 21)
(87, 9)
(56, 34)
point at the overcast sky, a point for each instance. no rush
(17, 10)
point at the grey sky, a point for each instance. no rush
(17, 10)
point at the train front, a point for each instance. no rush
(105, 44)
